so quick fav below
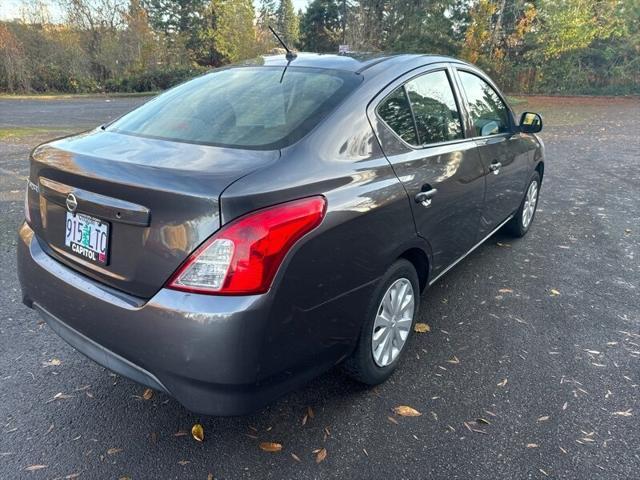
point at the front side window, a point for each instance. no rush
(434, 108)
(247, 107)
(396, 112)
(488, 112)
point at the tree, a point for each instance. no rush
(13, 72)
(321, 26)
(288, 25)
(233, 33)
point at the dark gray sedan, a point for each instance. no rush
(249, 229)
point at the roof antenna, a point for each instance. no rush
(290, 55)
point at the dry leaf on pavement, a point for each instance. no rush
(270, 446)
(113, 451)
(422, 328)
(148, 393)
(197, 432)
(502, 383)
(626, 413)
(321, 455)
(405, 411)
(33, 468)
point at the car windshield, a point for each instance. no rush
(244, 107)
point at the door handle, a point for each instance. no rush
(495, 167)
(424, 198)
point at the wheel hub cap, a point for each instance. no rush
(393, 321)
(530, 202)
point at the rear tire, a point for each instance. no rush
(519, 225)
(388, 324)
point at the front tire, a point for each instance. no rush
(519, 225)
(388, 326)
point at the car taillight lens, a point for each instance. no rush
(243, 257)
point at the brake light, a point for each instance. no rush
(243, 257)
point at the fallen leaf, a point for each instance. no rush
(295, 457)
(197, 432)
(54, 362)
(270, 446)
(405, 411)
(626, 413)
(113, 451)
(321, 455)
(554, 292)
(505, 290)
(532, 445)
(454, 360)
(502, 383)
(483, 420)
(422, 328)
(543, 419)
(148, 393)
(33, 468)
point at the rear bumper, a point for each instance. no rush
(205, 351)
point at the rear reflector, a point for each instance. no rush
(243, 257)
(27, 214)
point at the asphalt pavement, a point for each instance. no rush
(530, 370)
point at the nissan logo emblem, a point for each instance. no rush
(72, 202)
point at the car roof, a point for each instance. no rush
(356, 62)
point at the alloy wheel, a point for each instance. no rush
(393, 322)
(530, 202)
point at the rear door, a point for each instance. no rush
(420, 127)
(502, 149)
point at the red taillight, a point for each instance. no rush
(244, 256)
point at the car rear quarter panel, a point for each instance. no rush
(322, 291)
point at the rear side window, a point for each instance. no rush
(488, 112)
(396, 112)
(423, 111)
(434, 108)
(245, 107)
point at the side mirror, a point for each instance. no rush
(530, 122)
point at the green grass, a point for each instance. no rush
(20, 133)
(64, 96)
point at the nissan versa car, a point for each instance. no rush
(248, 230)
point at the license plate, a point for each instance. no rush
(87, 237)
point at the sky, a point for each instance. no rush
(10, 9)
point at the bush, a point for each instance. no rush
(153, 80)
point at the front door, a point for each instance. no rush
(420, 128)
(503, 151)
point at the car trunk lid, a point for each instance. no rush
(155, 201)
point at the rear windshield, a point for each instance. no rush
(244, 107)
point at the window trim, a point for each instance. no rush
(457, 68)
(393, 86)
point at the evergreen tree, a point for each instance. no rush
(321, 26)
(287, 23)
